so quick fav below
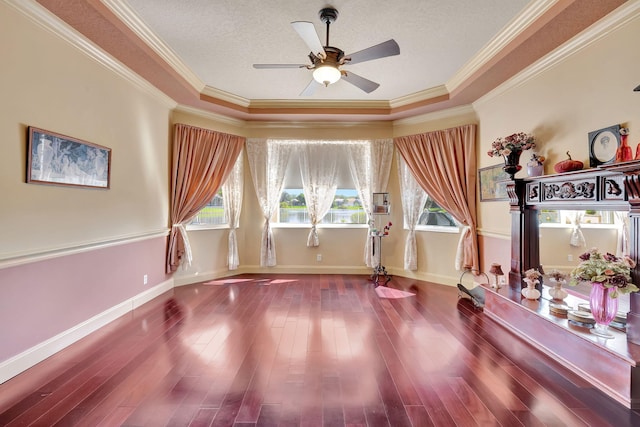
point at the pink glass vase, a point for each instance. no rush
(603, 309)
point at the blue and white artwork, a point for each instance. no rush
(59, 159)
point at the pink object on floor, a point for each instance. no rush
(384, 292)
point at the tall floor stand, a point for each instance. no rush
(379, 275)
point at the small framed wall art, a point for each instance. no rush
(493, 183)
(57, 159)
(603, 145)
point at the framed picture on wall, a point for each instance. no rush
(603, 145)
(57, 159)
(493, 182)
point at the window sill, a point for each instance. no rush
(438, 229)
(193, 227)
(585, 225)
(319, 226)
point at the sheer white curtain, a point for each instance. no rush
(370, 166)
(621, 220)
(232, 191)
(413, 200)
(577, 237)
(319, 170)
(268, 162)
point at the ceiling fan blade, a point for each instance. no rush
(308, 33)
(382, 50)
(311, 88)
(360, 82)
(269, 66)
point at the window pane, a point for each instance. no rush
(212, 213)
(435, 215)
(346, 208)
(551, 216)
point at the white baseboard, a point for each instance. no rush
(278, 269)
(311, 269)
(36, 354)
(306, 269)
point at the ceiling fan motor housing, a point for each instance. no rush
(328, 15)
(333, 57)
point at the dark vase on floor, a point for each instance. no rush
(512, 163)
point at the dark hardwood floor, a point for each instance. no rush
(304, 350)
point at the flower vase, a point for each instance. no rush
(556, 291)
(603, 308)
(624, 152)
(530, 292)
(512, 163)
(535, 170)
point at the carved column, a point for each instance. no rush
(632, 187)
(524, 234)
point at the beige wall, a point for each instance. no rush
(49, 84)
(342, 249)
(560, 103)
(74, 259)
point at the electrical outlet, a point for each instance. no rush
(319, 257)
(145, 279)
(569, 257)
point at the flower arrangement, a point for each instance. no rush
(533, 275)
(558, 275)
(517, 142)
(536, 160)
(387, 227)
(375, 232)
(608, 269)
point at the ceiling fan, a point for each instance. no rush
(327, 60)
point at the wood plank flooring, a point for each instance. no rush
(304, 350)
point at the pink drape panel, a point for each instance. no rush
(202, 160)
(444, 164)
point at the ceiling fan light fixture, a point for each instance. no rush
(326, 74)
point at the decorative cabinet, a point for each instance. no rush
(611, 187)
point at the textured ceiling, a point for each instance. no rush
(220, 40)
(200, 52)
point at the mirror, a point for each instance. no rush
(565, 235)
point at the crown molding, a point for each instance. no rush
(421, 96)
(318, 103)
(220, 118)
(383, 125)
(515, 27)
(125, 14)
(616, 19)
(226, 96)
(460, 111)
(44, 19)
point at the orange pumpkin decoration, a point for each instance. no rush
(568, 165)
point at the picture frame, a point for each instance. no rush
(56, 159)
(493, 182)
(603, 144)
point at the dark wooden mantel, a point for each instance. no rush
(612, 366)
(611, 187)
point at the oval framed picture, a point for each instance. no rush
(603, 145)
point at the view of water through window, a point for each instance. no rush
(346, 208)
